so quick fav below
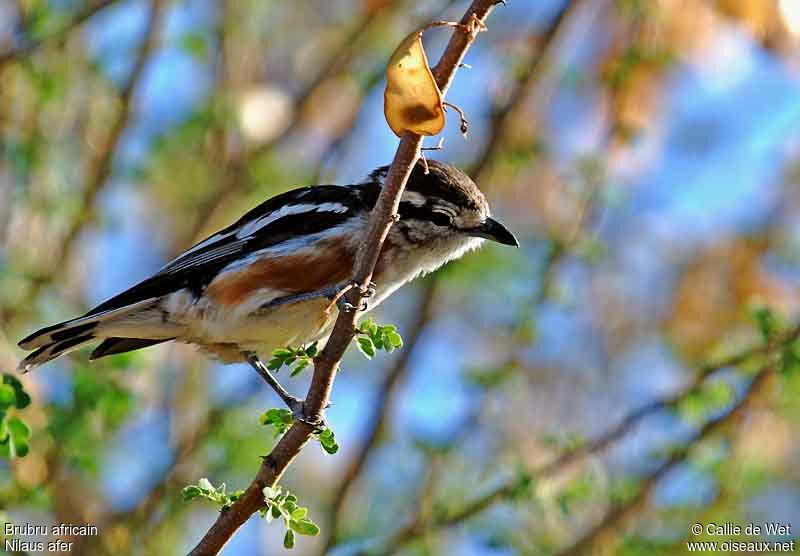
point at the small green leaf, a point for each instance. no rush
(7, 396)
(205, 485)
(299, 513)
(395, 340)
(302, 364)
(190, 492)
(304, 527)
(23, 400)
(366, 347)
(15, 443)
(288, 539)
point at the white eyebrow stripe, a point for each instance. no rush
(252, 227)
(414, 198)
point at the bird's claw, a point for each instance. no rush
(367, 292)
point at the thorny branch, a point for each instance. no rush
(326, 364)
(547, 44)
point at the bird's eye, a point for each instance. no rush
(441, 219)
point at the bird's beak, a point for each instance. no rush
(493, 230)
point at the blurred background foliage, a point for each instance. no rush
(629, 371)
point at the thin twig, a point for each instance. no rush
(326, 363)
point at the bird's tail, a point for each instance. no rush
(54, 341)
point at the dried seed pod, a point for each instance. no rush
(412, 99)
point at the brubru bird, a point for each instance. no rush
(267, 280)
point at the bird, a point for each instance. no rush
(268, 280)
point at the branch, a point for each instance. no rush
(326, 364)
(59, 36)
(379, 411)
(416, 527)
(620, 513)
(530, 80)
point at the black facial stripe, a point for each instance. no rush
(410, 211)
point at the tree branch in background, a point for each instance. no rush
(326, 363)
(235, 177)
(32, 45)
(416, 527)
(99, 167)
(617, 515)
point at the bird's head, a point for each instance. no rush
(445, 206)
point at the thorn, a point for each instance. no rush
(476, 25)
(439, 146)
(425, 163)
(464, 123)
(466, 66)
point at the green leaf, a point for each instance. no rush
(767, 321)
(7, 396)
(304, 527)
(299, 513)
(395, 340)
(190, 492)
(302, 364)
(366, 347)
(15, 443)
(23, 400)
(311, 350)
(271, 493)
(194, 44)
(288, 539)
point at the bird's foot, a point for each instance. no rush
(366, 292)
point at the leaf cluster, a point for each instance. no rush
(204, 489)
(282, 504)
(297, 359)
(373, 337)
(281, 419)
(14, 432)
